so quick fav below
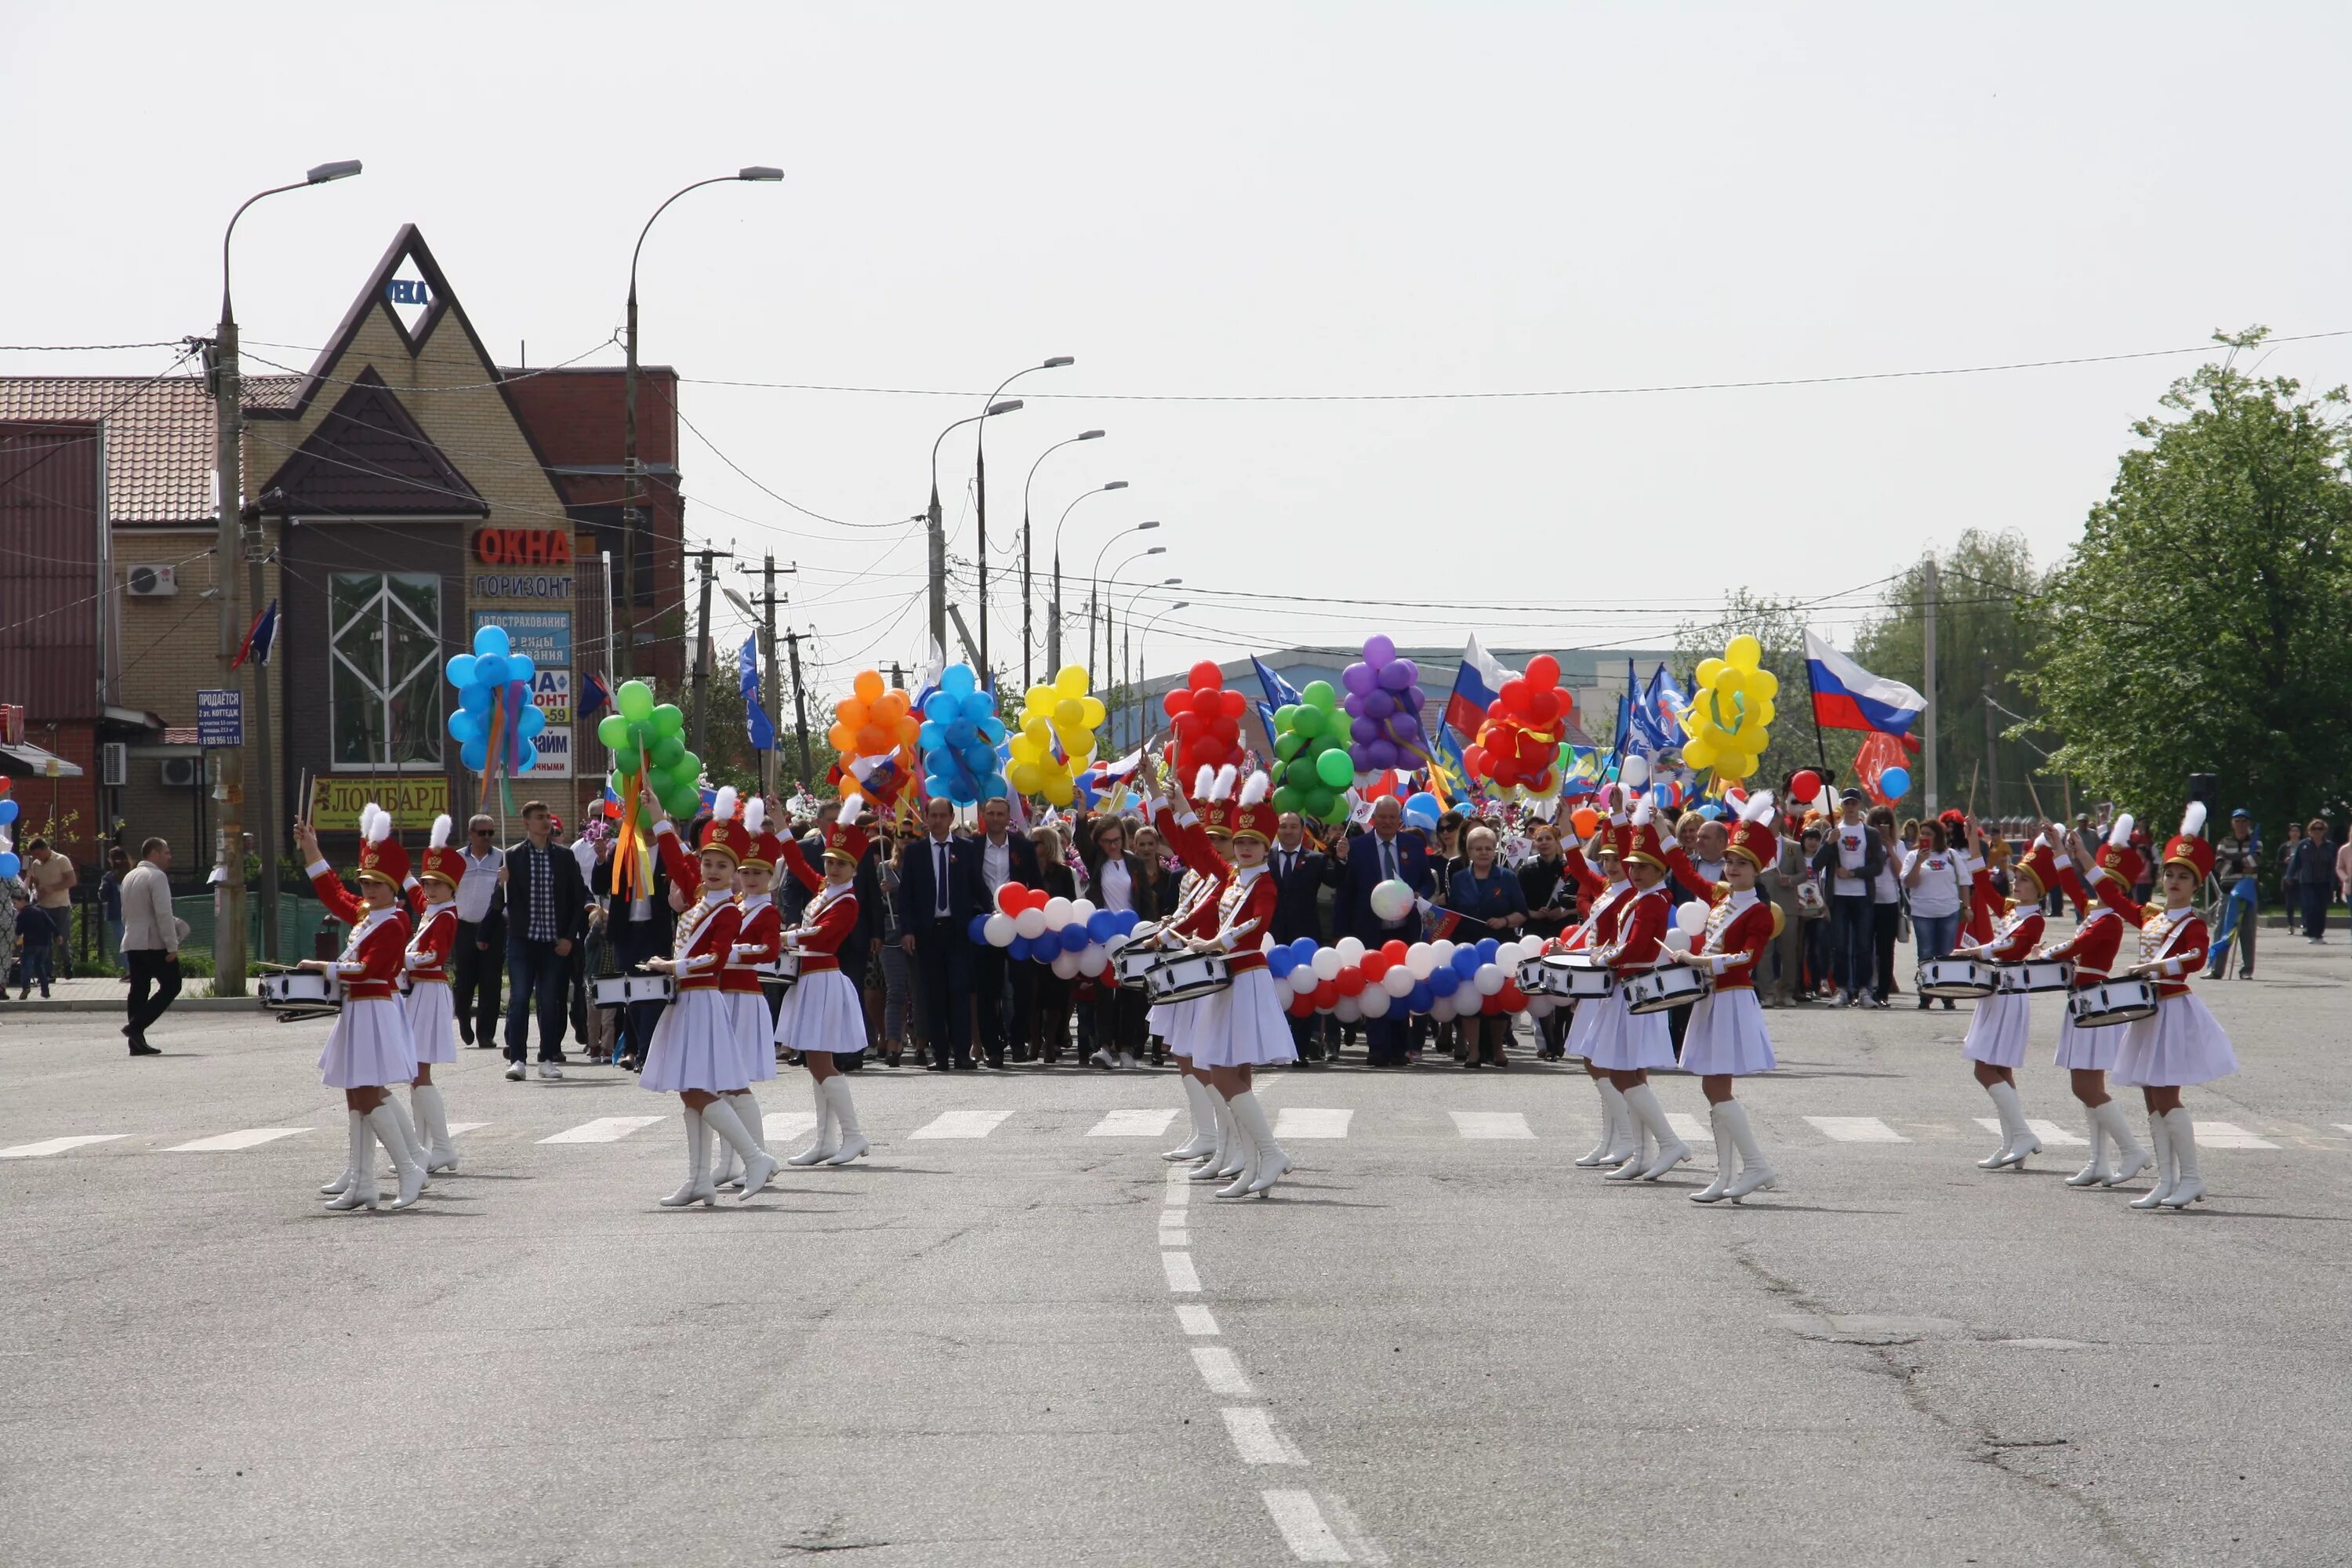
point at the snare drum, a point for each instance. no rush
(1534, 979)
(2036, 974)
(1182, 976)
(1957, 977)
(1132, 964)
(784, 969)
(1576, 975)
(623, 989)
(1663, 988)
(299, 988)
(2115, 1002)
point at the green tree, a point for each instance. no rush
(2200, 625)
(1779, 625)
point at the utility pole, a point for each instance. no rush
(1927, 580)
(228, 935)
(939, 574)
(265, 737)
(703, 558)
(800, 706)
(1992, 751)
(980, 556)
(632, 499)
(771, 688)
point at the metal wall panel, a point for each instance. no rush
(52, 493)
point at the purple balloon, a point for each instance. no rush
(1412, 670)
(1378, 649)
(1404, 726)
(1363, 730)
(1380, 754)
(1414, 700)
(1359, 678)
(1396, 677)
(1361, 756)
(1354, 704)
(1378, 705)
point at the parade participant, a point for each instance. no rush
(1627, 1044)
(1620, 1135)
(368, 1049)
(2087, 1053)
(431, 1007)
(2003, 1022)
(2183, 1044)
(1726, 1038)
(1230, 1032)
(1196, 837)
(693, 1053)
(757, 941)
(821, 1018)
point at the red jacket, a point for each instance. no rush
(2092, 948)
(759, 936)
(371, 962)
(1601, 925)
(819, 941)
(2018, 932)
(2180, 946)
(1196, 911)
(1641, 929)
(705, 934)
(429, 950)
(1736, 939)
(1244, 914)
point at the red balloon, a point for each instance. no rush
(1806, 784)
(1206, 673)
(1514, 999)
(1011, 898)
(1225, 728)
(1543, 671)
(1207, 751)
(1235, 704)
(1350, 982)
(1513, 697)
(1394, 951)
(1039, 897)
(1374, 965)
(1176, 704)
(1475, 759)
(1327, 994)
(1300, 1004)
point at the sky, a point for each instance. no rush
(1270, 234)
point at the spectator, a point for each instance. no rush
(37, 944)
(1048, 1024)
(1813, 967)
(939, 893)
(1550, 892)
(109, 897)
(1003, 857)
(892, 990)
(1166, 871)
(481, 945)
(1489, 896)
(1851, 858)
(546, 905)
(1122, 879)
(1885, 907)
(151, 936)
(1932, 878)
(1298, 869)
(1363, 862)
(13, 897)
(53, 879)
(2237, 865)
(2291, 876)
(2314, 879)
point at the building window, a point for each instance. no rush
(385, 683)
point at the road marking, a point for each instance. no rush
(1689, 1128)
(1220, 1371)
(1179, 1186)
(604, 1129)
(1491, 1124)
(1306, 1121)
(2345, 1126)
(1302, 1530)
(1856, 1129)
(1351, 1531)
(1196, 1322)
(456, 1128)
(1254, 1438)
(245, 1138)
(962, 1124)
(2048, 1131)
(1183, 1277)
(784, 1125)
(57, 1145)
(2229, 1135)
(1175, 1238)
(1132, 1125)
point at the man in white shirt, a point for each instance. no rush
(151, 942)
(480, 949)
(1004, 857)
(1851, 859)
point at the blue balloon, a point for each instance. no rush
(1019, 948)
(1280, 962)
(10, 864)
(493, 639)
(490, 669)
(9, 810)
(1303, 949)
(1102, 925)
(1128, 920)
(958, 733)
(1075, 936)
(475, 700)
(1422, 808)
(1487, 948)
(979, 759)
(930, 737)
(520, 668)
(1418, 999)
(467, 726)
(532, 722)
(979, 706)
(460, 670)
(1442, 982)
(940, 706)
(1895, 783)
(978, 929)
(995, 785)
(1046, 946)
(992, 727)
(475, 755)
(528, 759)
(957, 681)
(1465, 963)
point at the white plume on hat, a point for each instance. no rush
(2192, 821)
(1255, 789)
(378, 826)
(1223, 788)
(1641, 812)
(852, 811)
(755, 814)
(723, 806)
(440, 839)
(2119, 835)
(1204, 783)
(1759, 807)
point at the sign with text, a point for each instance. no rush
(414, 800)
(554, 744)
(544, 635)
(523, 546)
(551, 695)
(220, 718)
(519, 586)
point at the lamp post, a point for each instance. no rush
(632, 500)
(1144, 655)
(979, 497)
(1028, 675)
(1127, 647)
(1053, 622)
(939, 533)
(1093, 582)
(1110, 635)
(228, 407)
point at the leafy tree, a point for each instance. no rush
(2201, 625)
(1779, 625)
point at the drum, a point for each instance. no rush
(1957, 977)
(781, 971)
(1576, 975)
(299, 988)
(1533, 978)
(1182, 976)
(2036, 974)
(623, 989)
(1132, 964)
(2115, 1002)
(1660, 989)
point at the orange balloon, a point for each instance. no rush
(868, 685)
(888, 709)
(843, 737)
(1584, 820)
(872, 740)
(910, 731)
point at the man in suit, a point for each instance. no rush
(546, 909)
(939, 892)
(1362, 862)
(1004, 857)
(1300, 870)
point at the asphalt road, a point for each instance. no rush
(1427, 1347)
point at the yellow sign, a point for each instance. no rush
(414, 800)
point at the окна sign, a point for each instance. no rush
(523, 546)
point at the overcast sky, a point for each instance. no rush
(1245, 201)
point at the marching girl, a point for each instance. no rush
(2003, 1022)
(757, 942)
(695, 1053)
(2087, 1053)
(1726, 1038)
(1243, 1026)
(2183, 1044)
(1195, 835)
(368, 1049)
(1625, 1044)
(1620, 1135)
(432, 1019)
(821, 1015)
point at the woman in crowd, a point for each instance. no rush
(2291, 876)
(1489, 898)
(1165, 870)
(1931, 877)
(1885, 907)
(1049, 1021)
(1550, 891)
(1121, 880)
(110, 899)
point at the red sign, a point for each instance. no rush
(523, 546)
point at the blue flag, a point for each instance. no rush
(756, 722)
(1278, 691)
(1653, 725)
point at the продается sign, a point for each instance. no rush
(220, 718)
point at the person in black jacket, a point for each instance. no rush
(1300, 870)
(546, 909)
(637, 928)
(939, 892)
(1851, 857)
(1004, 857)
(1549, 889)
(1119, 878)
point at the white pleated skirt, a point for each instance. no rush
(694, 1046)
(751, 1015)
(1727, 1035)
(1999, 1030)
(368, 1047)
(1583, 1022)
(821, 1013)
(2183, 1044)
(432, 1020)
(2090, 1049)
(1624, 1041)
(1173, 1023)
(1242, 1026)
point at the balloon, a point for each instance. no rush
(9, 864)
(1584, 820)
(998, 929)
(1691, 916)
(1398, 981)
(1677, 941)
(1391, 900)
(635, 700)
(1375, 1003)
(1280, 962)
(1895, 783)
(1302, 979)
(492, 640)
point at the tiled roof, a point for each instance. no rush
(367, 456)
(158, 459)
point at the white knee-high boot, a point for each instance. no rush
(759, 1166)
(433, 1121)
(755, 1121)
(1755, 1172)
(1212, 1169)
(1244, 1149)
(1204, 1122)
(1612, 1127)
(359, 1168)
(2097, 1170)
(1724, 1167)
(699, 1188)
(391, 1126)
(1639, 1151)
(352, 1133)
(1642, 1100)
(408, 1130)
(2187, 1182)
(2159, 1134)
(2016, 1140)
(1272, 1164)
(828, 1143)
(2130, 1158)
(853, 1144)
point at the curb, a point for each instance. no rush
(115, 1004)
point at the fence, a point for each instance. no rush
(298, 922)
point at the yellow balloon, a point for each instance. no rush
(1763, 683)
(1072, 680)
(1708, 670)
(1699, 752)
(1744, 651)
(1732, 682)
(1024, 777)
(1040, 697)
(1058, 790)
(1095, 712)
(1069, 714)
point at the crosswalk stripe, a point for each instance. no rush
(1221, 1371)
(604, 1129)
(1491, 1124)
(2048, 1131)
(1689, 1128)
(1307, 1122)
(2229, 1135)
(1255, 1439)
(1133, 1124)
(1197, 1322)
(57, 1145)
(245, 1138)
(1302, 1530)
(1856, 1129)
(456, 1128)
(962, 1124)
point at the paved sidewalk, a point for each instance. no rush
(106, 994)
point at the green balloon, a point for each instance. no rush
(668, 720)
(1288, 747)
(1309, 721)
(1320, 694)
(666, 751)
(1320, 805)
(1334, 769)
(613, 730)
(1287, 798)
(635, 700)
(1285, 714)
(617, 784)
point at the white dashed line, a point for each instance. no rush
(57, 1145)
(1197, 1322)
(1856, 1129)
(457, 1129)
(1256, 1440)
(1221, 1371)
(1307, 1122)
(962, 1124)
(1491, 1124)
(244, 1139)
(1689, 1128)
(604, 1129)
(2229, 1135)
(1302, 1530)
(1132, 1125)
(2048, 1131)
(1183, 1277)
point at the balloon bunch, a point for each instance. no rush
(494, 706)
(958, 736)
(9, 862)
(1518, 748)
(649, 739)
(1208, 720)
(873, 722)
(1350, 981)
(1071, 934)
(1060, 712)
(1729, 719)
(1383, 709)
(1310, 753)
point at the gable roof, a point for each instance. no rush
(160, 434)
(368, 456)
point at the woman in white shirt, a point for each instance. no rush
(1931, 874)
(1886, 907)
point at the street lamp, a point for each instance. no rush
(631, 507)
(1094, 581)
(1053, 622)
(979, 502)
(1110, 632)
(1027, 675)
(1126, 651)
(229, 405)
(1144, 655)
(939, 534)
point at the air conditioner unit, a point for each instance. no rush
(113, 763)
(154, 582)
(183, 773)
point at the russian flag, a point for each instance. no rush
(1848, 697)
(1476, 687)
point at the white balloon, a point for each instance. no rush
(999, 931)
(1442, 1009)
(1351, 950)
(1093, 958)
(1392, 899)
(1441, 953)
(1327, 964)
(1419, 960)
(1065, 964)
(1634, 771)
(1030, 923)
(1397, 981)
(1540, 1007)
(1057, 913)
(1489, 980)
(1081, 909)
(1375, 1002)
(1690, 915)
(1678, 940)
(1302, 980)
(1345, 1010)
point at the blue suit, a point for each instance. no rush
(1355, 877)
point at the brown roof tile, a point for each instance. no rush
(160, 434)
